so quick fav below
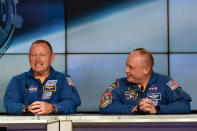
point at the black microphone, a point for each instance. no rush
(27, 112)
(142, 90)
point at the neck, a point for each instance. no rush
(146, 80)
(38, 75)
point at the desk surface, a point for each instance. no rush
(102, 118)
(83, 118)
(29, 123)
(26, 119)
(87, 121)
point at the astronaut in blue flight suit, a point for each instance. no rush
(143, 91)
(49, 91)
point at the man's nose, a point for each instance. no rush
(126, 70)
(37, 58)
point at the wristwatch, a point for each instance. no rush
(157, 109)
(9, 20)
(54, 109)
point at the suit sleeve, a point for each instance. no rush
(69, 97)
(111, 102)
(178, 101)
(13, 101)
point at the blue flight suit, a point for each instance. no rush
(57, 89)
(122, 96)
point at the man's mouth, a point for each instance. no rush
(38, 65)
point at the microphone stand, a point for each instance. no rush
(26, 112)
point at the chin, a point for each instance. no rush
(37, 70)
(132, 80)
(129, 79)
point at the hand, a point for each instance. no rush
(134, 108)
(146, 105)
(25, 108)
(40, 107)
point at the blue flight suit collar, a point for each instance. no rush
(150, 82)
(152, 79)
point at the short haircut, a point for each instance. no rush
(42, 41)
(144, 52)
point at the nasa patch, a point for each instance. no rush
(153, 88)
(33, 89)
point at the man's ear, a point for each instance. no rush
(147, 69)
(52, 57)
(29, 57)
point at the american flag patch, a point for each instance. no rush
(70, 81)
(172, 84)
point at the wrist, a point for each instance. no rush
(157, 108)
(53, 109)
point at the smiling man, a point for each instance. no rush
(143, 91)
(49, 91)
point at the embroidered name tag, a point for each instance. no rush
(154, 96)
(51, 88)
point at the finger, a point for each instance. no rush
(146, 100)
(36, 111)
(32, 107)
(147, 107)
(150, 110)
(42, 111)
(35, 103)
(149, 101)
(144, 106)
(142, 103)
(134, 108)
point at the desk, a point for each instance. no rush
(97, 122)
(25, 123)
(128, 122)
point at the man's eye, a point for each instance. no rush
(131, 67)
(33, 55)
(42, 55)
